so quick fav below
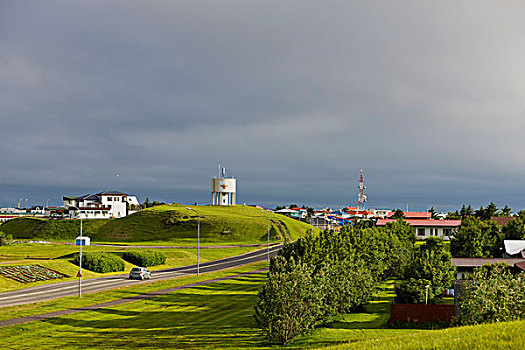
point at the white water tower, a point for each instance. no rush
(223, 189)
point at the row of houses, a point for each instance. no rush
(102, 205)
(422, 222)
(7, 214)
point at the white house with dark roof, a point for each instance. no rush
(103, 205)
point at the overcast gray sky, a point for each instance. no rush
(292, 97)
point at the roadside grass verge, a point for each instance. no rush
(48, 255)
(118, 293)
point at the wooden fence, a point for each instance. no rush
(421, 313)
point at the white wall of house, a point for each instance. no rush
(423, 233)
(117, 204)
(132, 200)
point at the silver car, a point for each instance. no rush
(139, 273)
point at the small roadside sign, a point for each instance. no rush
(83, 240)
(79, 274)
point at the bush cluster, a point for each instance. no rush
(492, 294)
(5, 239)
(431, 266)
(144, 258)
(317, 277)
(100, 262)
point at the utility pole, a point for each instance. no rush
(198, 238)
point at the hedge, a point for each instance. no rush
(100, 262)
(144, 258)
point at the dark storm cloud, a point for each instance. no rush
(292, 97)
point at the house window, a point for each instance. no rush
(110, 199)
(447, 232)
(420, 231)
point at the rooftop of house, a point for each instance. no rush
(423, 222)
(513, 247)
(473, 262)
(414, 214)
(502, 220)
(477, 262)
(111, 193)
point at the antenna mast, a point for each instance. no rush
(361, 198)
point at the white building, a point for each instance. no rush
(424, 228)
(223, 190)
(103, 205)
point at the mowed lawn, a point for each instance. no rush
(49, 256)
(220, 315)
(215, 315)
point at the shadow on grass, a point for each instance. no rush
(218, 315)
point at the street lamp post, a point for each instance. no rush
(268, 217)
(198, 238)
(80, 264)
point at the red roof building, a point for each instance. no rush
(414, 214)
(424, 228)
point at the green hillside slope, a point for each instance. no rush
(168, 223)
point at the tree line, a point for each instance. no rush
(317, 277)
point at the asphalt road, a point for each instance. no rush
(92, 285)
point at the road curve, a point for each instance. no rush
(92, 285)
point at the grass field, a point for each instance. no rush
(220, 315)
(168, 223)
(49, 255)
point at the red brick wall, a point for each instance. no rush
(421, 313)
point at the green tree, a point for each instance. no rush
(463, 211)
(476, 239)
(506, 211)
(454, 215)
(481, 213)
(5, 239)
(398, 214)
(432, 212)
(491, 210)
(431, 266)
(400, 247)
(290, 301)
(515, 229)
(348, 285)
(492, 294)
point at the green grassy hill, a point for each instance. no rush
(168, 223)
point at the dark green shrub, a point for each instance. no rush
(431, 265)
(144, 258)
(5, 239)
(414, 291)
(290, 301)
(100, 262)
(492, 294)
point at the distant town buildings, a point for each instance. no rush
(7, 214)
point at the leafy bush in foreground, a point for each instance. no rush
(290, 301)
(492, 294)
(144, 258)
(100, 262)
